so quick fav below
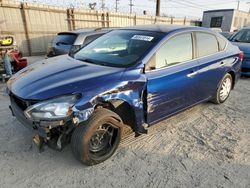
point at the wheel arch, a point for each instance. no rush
(121, 107)
(232, 73)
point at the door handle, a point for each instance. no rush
(192, 74)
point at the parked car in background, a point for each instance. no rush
(242, 40)
(71, 41)
(134, 76)
(227, 34)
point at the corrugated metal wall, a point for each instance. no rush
(34, 25)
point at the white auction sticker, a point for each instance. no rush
(142, 37)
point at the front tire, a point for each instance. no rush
(97, 139)
(224, 89)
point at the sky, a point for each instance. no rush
(178, 8)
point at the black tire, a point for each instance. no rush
(81, 139)
(218, 99)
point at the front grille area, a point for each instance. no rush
(245, 70)
(17, 107)
(22, 104)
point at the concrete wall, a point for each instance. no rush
(34, 25)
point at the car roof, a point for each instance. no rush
(164, 28)
(86, 30)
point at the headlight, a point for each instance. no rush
(54, 109)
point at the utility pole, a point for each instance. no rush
(238, 5)
(158, 7)
(102, 5)
(116, 5)
(131, 6)
(82, 3)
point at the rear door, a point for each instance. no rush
(170, 74)
(213, 61)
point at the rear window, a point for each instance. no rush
(222, 43)
(65, 38)
(207, 44)
(90, 38)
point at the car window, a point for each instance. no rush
(242, 36)
(65, 39)
(90, 38)
(207, 44)
(176, 50)
(222, 43)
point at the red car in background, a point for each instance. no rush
(18, 62)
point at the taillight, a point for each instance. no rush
(241, 56)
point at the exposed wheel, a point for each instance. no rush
(224, 89)
(97, 139)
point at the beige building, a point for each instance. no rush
(226, 19)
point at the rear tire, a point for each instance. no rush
(97, 139)
(224, 89)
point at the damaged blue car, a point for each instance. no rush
(134, 76)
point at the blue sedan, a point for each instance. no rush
(242, 40)
(134, 76)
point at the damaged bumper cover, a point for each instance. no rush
(55, 133)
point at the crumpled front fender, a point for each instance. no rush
(128, 91)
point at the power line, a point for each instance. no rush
(194, 4)
(187, 5)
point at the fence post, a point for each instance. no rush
(135, 19)
(68, 19)
(103, 19)
(172, 20)
(25, 26)
(185, 20)
(107, 19)
(71, 19)
(155, 19)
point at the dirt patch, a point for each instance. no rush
(205, 146)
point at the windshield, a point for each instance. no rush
(242, 36)
(120, 48)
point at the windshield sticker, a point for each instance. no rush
(142, 37)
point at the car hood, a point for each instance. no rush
(59, 76)
(245, 47)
